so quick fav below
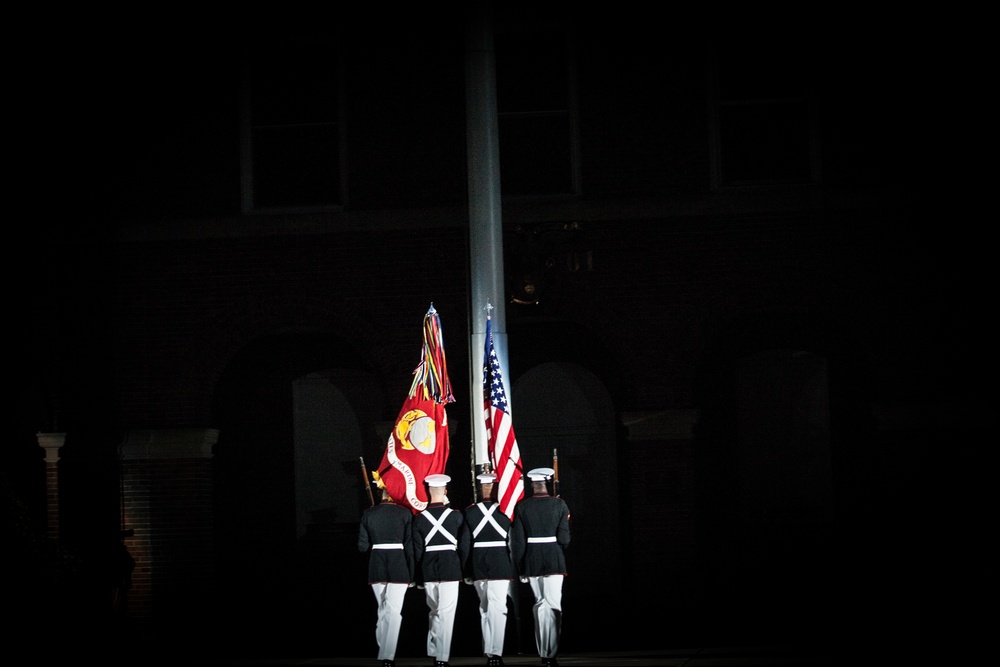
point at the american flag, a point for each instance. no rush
(502, 445)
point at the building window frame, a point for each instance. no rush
(331, 125)
(529, 117)
(787, 114)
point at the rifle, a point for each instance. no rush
(555, 472)
(366, 482)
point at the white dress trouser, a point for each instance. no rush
(548, 613)
(442, 601)
(390, 615)
(492, 612)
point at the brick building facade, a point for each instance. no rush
(740, 370)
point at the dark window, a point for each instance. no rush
(764, 125)
(535, 119)
(292, 127)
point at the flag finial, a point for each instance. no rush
(488, 308)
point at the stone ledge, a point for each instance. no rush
(660, 424)
(179, 443)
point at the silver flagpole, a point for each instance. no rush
(485, 220)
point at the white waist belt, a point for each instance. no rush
(388, 545)
(490, 544)
(535, 540)
(442, 547)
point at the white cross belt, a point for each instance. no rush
(535, 540)
(438, 527)
(442, 547)
(388, 545)
(488, 517)
(496, 543)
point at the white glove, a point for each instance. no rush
(524, 579)
(468, 580)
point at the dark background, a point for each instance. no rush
(145, 298)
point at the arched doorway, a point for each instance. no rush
(784, 433)
(561, 406)
(294, 410)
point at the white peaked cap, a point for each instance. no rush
(437, 480)
(540, 474)
(486, 478)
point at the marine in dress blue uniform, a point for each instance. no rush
(386, 534)
(440, 546)
(539, 535)
(488, 567)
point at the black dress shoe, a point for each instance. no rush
(440, 663)
(388, 663)
(550, 662)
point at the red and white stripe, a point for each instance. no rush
(506, 458)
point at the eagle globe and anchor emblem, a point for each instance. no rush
(416, 430)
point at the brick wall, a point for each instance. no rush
(167, 497)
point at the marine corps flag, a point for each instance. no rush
(418, 445)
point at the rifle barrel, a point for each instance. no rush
(555, 471)
(368, 484)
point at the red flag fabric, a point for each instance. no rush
(505, 455)
(418, 445)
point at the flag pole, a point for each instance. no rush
(485, 218)
(472, 468)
